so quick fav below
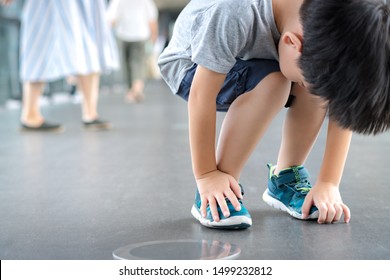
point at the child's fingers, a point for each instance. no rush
(233, 199)
(235, 188)
(323, 209)
(330, 214)
(213, 209)
(306, 207)
(203, 207)
(347, 213)
(223, 205)
(339, 213)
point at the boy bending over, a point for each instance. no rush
(251, 58)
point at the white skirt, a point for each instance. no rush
(65, 37)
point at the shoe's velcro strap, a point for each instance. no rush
(289, 177)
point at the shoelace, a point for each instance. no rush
(302, 186)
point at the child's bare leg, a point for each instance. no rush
(302, 124)
(89, 85)
(31, 114)
(246, 121)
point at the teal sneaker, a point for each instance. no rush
(237, 219)
(287, 191)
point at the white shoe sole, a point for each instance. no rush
(232, 222)
(279, 205)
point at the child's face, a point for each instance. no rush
(290, 47)
(290, 69)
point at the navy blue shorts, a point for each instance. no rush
(243, 77)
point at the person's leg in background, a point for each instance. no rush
(31, 113)
(126, 56)
(31, 117)
(89, 86)
(136, 70)
(72, 82)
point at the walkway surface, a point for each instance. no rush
(82, 195)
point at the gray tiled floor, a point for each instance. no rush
(81, 195)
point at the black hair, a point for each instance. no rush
(346, 60)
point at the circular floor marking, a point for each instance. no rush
(178, 250)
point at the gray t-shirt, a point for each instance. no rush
(213, 33)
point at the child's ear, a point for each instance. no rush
(292, 40)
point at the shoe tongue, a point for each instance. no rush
(291, 175)
(294, 169)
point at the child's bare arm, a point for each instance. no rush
(213, 185)
(325, 194)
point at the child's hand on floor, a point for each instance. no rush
(326, 197)
(214, 187)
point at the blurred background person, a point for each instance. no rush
(64, 38)
(136, 25)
